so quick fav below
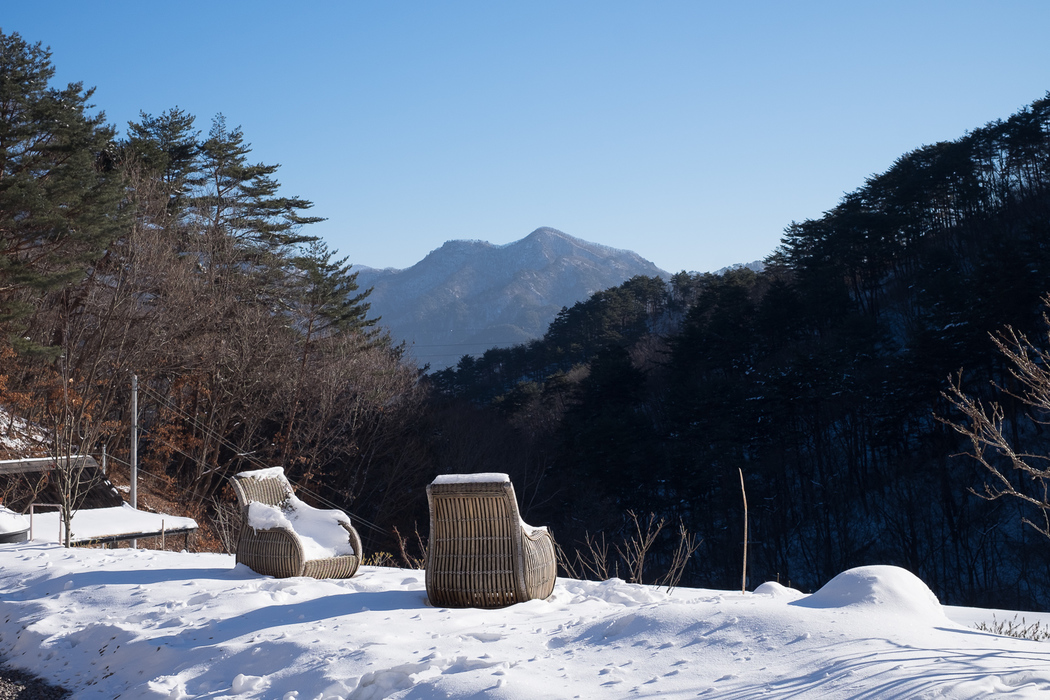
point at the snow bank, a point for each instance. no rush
(95, 523)
(887, 590)
(776, 590)
(11, 521)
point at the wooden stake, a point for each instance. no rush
(743, 583)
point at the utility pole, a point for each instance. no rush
(134, 446)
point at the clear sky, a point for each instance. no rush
(689, 132)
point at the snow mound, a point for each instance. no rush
(891, 589)
(264, 473)
(11, 521)
(776, 590)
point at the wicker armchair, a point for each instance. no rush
(481, 554)
(281, 536)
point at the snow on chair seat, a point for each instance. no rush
(281, 536)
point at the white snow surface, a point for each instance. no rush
(149, 624)
(264, 473)
(11, 521)
(17, 437)
(481, 478)
(93, 523)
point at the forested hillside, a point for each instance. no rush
(172, 256)
(819, 378)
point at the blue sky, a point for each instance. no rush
(689, 132)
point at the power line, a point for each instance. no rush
(458, 345)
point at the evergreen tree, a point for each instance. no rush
(328, 299)
(609, 433)
(168, 148)
(58, 187)
(324, 305)
(240, 198)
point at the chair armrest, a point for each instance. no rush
(355, 540)
(281, 534)
(274, 551)
(540, 563)
(306, 507)
(534, 533)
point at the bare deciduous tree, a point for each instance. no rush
(1014, 472)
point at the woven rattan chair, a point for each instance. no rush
(481, 554)
(281, 536)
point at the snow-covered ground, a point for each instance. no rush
(150, 624)
(96, 523)
(18, 437)
(12, 522)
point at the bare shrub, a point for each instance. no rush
(589, 562)
(380, 559)
(226, 522)
(411, 561)
(1012, 628)
(687, 545)
(634, 549)
(596, 559)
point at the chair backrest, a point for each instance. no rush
(475, 551)
(269, 486)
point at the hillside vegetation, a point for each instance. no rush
(171, 256)
(820, 378)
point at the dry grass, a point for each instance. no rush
(1012, 628)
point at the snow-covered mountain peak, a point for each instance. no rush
(469, 295)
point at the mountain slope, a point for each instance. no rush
(468, 296)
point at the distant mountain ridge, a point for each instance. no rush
(468, 296)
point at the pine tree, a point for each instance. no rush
(328, 300)
(168, 148)
(324, 304)
(58, 188)
(240, 198)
